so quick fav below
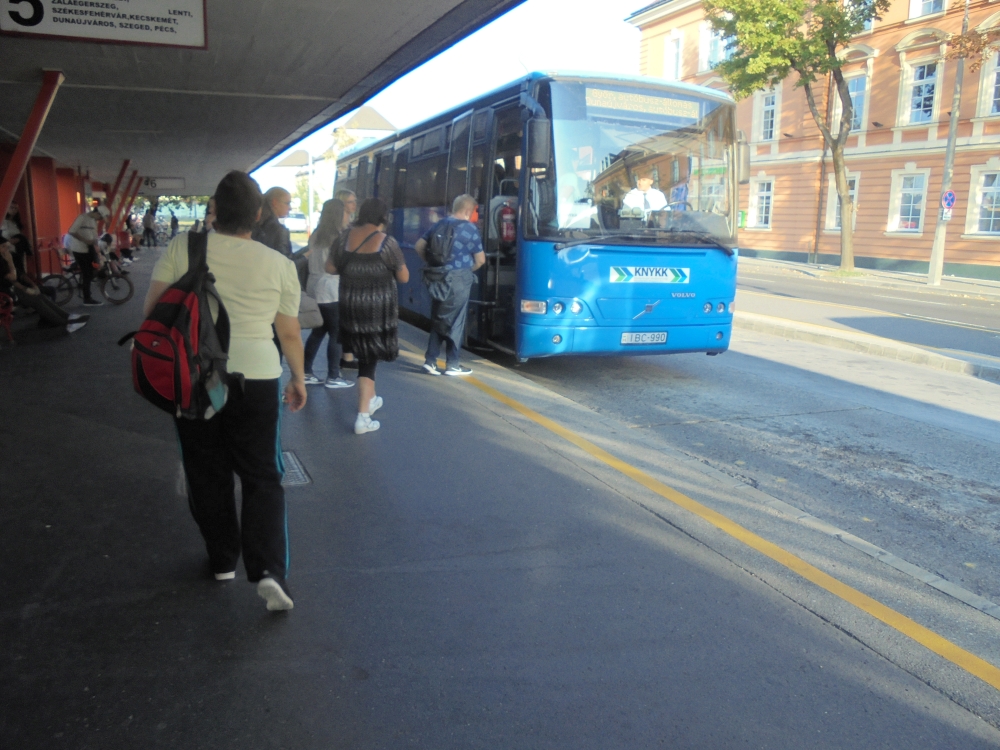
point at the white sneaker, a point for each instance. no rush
(375, 404)
(225, 576)
(364, 423)
(71, 327)
(274, 594)
(338, 383)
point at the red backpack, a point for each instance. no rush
(179, 354)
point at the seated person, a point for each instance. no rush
(645, 196)
(107, 250)
(25, 293)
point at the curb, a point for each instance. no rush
(864, 343)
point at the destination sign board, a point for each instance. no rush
(173, 23)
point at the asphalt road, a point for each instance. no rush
(936, 319)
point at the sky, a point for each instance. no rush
(583, 35)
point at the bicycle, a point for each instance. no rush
(114, 286)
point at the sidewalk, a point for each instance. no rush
(951, 360)
(952, 286)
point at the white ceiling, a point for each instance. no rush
(273, 72)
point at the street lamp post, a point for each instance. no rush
(944, 214)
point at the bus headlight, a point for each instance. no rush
(557, 339)
(533, 306)
(721, 307)
(732, 306)
(708, 307)
(558, 307)
(576, 307)
(718, 336)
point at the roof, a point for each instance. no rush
(368, 118)
(271, 74)
(507, 89)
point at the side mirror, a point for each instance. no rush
(743, 159)
(539, 143)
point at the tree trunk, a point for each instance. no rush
(846, 208)
(836, 143)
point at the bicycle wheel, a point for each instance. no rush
(117, 289)
(61, 288)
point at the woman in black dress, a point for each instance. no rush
(369, 264)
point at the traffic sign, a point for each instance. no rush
(948, 199)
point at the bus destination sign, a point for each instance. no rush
(175, 23)
(650, 105)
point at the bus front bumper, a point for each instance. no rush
(553, 341)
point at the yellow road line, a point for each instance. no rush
(925, 637)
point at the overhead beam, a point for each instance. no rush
(51, 81)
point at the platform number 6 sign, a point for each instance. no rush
(37, 12)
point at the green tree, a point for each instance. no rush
(302, 193)
(768, 40)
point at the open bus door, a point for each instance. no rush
(501, 186)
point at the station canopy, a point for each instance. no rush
(271, 73)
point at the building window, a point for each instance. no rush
(714, 47)
(672, 59)
(767, 117)
(989, 209)
(995, 106)
(919, 8)
(922, 92)
(911, 203)
(765, 193)
(931, 6)
(858, 87)
(852, 189)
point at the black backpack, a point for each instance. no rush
(179, 354)
(439, 248)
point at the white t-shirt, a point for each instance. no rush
(85, 226)
(255, 284)
(322, 286)
(637, 199)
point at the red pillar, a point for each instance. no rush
(119, 213)
(51, 81)
(110, 200)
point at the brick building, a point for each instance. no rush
(902, 88)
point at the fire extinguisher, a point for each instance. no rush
(508, 224)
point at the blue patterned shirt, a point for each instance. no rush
(467, 243)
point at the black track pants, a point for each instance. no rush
(243, 438)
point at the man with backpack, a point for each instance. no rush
(257, 288)
(453, 251)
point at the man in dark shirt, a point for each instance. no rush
(464, 256)
(269, 230)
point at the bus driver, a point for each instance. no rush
(645, 196)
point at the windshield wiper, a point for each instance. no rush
(601, 238)
(700, 234)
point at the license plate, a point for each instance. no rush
(658, 337)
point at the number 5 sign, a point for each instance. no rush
(145, 22)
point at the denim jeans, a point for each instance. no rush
(331, 327)
(448, 319)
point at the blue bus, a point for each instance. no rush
(607, 207)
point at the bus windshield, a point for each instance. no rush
(632, 164)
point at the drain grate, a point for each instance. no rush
(295, 473)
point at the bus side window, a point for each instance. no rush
(399, 189)
(363, 190)
(384, 178)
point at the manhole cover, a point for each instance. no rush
(295, 473)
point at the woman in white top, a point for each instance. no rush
(324, 288)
